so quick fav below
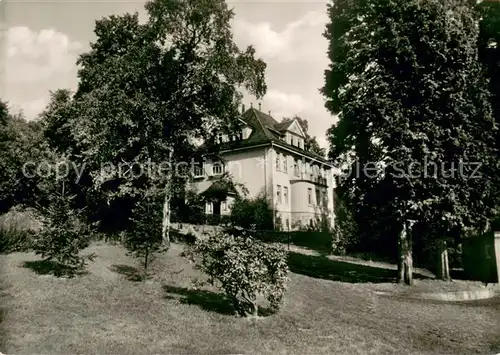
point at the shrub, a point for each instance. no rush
(345, 231)
(252, 213)
(63, 235)
(495, 224)
(188, 209)
(145, 239)
(17, 228)
(244, 268)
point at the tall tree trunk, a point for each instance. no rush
(443, 267)
(165, 230)
(405, 260)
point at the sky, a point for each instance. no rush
(41, 40)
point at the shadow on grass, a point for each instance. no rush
(206, 300)
(324, 268)
(130, 272)
(49, 267)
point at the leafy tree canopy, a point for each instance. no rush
(413, 108)
(150, 90)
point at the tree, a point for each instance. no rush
(144, 240)
(22, 148)
(489, 56)
(311, 143)
(56, 121)
(148, 91)
(411, 96)
(64, 234)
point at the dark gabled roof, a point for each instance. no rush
(283, 125)
(260, 123)
(265, 130)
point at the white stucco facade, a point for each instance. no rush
(298, 184)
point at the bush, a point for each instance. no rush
(145, 239)
(63, 235)
(244, 268)
(253, 214)
(215, 220)
(12, 240)
(495, 224)
(189, 208)
(17, 229)
(345, 231)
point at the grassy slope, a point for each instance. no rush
(103, 312)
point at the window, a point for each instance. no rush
(292, 141)
(278, 193)
(209, 207)
(318, 197)
(285, 165)
(278, 162)
(285, 194)
(217, 168)
(224, 205)
(309, 196)
(198, 170)
(296, 168)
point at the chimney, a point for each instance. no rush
(260, 106)
(251, 104)
(269, 112)
(243, 108)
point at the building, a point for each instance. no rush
(270, 159)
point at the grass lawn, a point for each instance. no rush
(330, 308)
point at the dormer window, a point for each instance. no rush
(199, 171)
(217, 168)
(246, 133)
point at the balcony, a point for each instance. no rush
(312, 178)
